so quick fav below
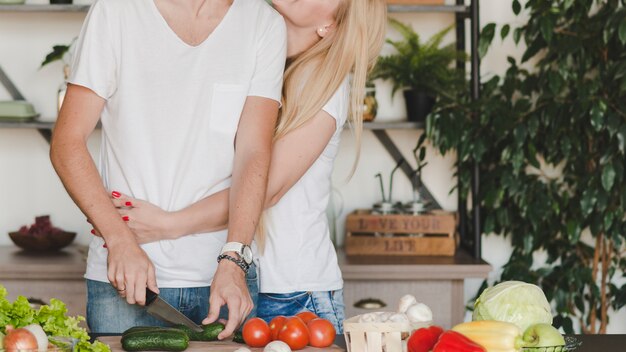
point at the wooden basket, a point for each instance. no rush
(377, 337)
(375, 234)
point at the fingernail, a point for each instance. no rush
(116, 194)
(93, 231)
(104, 245)
(125, 218)
(129, 204)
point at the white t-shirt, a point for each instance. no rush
(299, 255)
(172, 112)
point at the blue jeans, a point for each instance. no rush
(107, 312)
(325, 304)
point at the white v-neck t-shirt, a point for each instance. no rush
(171, 114)
(299, 254)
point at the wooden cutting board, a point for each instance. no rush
(213, 346)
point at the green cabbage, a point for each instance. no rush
(515, 302)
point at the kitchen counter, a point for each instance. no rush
(42, 276)
(435, 280)
(590, 343)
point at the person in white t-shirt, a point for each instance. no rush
(331, 46)
(188, 93)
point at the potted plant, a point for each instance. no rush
(549, 141)
(59, 53)
(423, 71)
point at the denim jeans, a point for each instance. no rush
(325, 304)
(107, 312)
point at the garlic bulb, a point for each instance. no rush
(419, 313)
(405, 302)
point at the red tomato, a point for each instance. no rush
(256, 333)
(294, 333)
(321, 333)
(276, 324)
(306, 316)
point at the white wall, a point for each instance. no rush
(29, 186)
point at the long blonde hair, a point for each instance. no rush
(313, 77)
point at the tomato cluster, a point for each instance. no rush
(298, 331)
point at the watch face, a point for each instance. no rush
(247, 254)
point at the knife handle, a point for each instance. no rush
(150, 296)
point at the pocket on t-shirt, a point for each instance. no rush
(226, 107)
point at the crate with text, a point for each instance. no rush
(374, 234)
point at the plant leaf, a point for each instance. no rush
(486, 37)
(57, 54)
(517, 7)
(608, 177)
(622, 32)
(505, 31)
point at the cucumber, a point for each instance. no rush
(238, 337)
(209, 332)
(141, 328)
(159, 339)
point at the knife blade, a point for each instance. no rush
(162, 310)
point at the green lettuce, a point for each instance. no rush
(515, 302)
(52, 318)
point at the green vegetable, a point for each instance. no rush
(238, 337)
(141, 328)
(52, 318)
(209, 332)
(515, 302)
(163, 339)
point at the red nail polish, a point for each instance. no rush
(125, 218)
(116, 194)
(104, 245)
(93, 231)
(129, 204)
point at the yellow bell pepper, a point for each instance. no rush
(494, 336)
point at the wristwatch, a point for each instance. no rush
(243, 251)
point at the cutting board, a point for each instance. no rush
(213, 346)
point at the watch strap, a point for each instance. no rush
(240, 262)
(236, 247)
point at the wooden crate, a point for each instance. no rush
(374, 234)
(415, 2)
(377, 337)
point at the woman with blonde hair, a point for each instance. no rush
(332, 45)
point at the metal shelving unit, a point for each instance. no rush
(84, 8)
(470, 237)
(44, 8)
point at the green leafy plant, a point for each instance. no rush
(424, 67)
(550, 143)
(57, 53)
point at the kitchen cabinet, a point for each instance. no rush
(435, 281)
(42, 276)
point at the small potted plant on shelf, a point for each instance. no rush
(60, 53)
(423, 71)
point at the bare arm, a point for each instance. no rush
(128, 266)
(253, 148)
(291, 157)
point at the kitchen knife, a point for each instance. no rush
(162, 310)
